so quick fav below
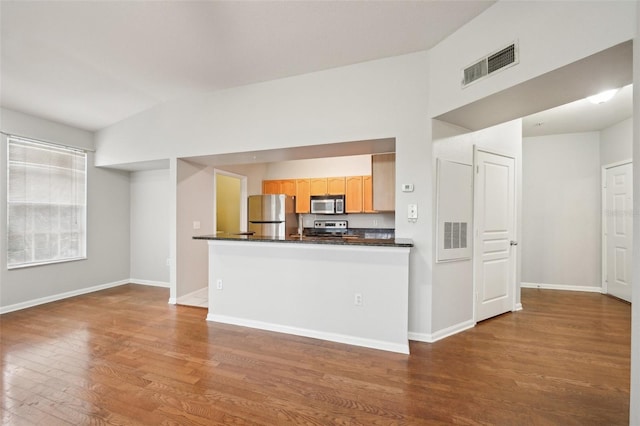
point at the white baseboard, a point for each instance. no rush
(332, 337)
(545, 286)
(518, 307)
(441, 334)
(173, 301)
(419, 337)
(149, 283)
(60, 296)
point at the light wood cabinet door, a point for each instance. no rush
(303, 196)
(367, 194)
(288, 187)
(271, 187)
(353, 195)
(336, 186)
(383, 172)
(318, 186)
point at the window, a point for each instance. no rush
(46, 203)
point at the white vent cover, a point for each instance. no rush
(455, 235)
(503, 58)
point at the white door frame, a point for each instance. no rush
(603, 227)
(243, 196)
(475, 222)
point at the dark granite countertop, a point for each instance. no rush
(342, 241)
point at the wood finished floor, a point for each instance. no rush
(124, 356)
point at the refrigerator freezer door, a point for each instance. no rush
(275, 230)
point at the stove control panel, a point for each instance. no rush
(330, 225)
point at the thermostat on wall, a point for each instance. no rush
(407, 187)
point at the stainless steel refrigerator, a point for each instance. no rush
(272, 215)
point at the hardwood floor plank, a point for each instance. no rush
(123, 356)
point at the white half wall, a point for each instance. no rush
(107, 224)
(310, 290)
(149, 198)
(561, 239)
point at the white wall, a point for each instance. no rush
(634, 418)
(107, 260)
(616, 142)
(453, 281)
(149, 198)
(561, 239)
(254, 173)
(354, 165)
(195, 195)
(374, 100)
(394, 97)
(550, 34)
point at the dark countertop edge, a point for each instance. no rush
(366, 242)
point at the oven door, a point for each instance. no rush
(326, 206)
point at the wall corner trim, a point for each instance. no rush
(441, 334)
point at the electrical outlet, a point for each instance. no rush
(357, 299)
(196, 224)
(219, 284)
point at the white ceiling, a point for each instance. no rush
(580, 116)
(90, 64)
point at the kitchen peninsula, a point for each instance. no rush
(347, 290)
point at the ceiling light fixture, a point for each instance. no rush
(603, 97)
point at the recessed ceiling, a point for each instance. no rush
(91, 64)
(580, 116)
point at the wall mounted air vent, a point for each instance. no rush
(503, 58)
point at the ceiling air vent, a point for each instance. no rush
(499, 60)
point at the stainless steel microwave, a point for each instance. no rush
(327, 204)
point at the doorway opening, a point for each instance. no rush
(230, 210)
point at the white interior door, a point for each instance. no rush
(494, 245)
(618, 230)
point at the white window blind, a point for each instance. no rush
(46, 203)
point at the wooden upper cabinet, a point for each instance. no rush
(336, 185)
(367, 194)
(318, 186)
(279, 186)
(271, 187)
(288, 187)
(353, 195)
(303, 196)
(383, 172)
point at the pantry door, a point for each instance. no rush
(494, 242)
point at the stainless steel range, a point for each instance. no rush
(327, 228)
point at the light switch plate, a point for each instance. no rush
(407, 187)
(196, 224)
(412, 211)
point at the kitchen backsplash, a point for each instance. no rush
(369, 220)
